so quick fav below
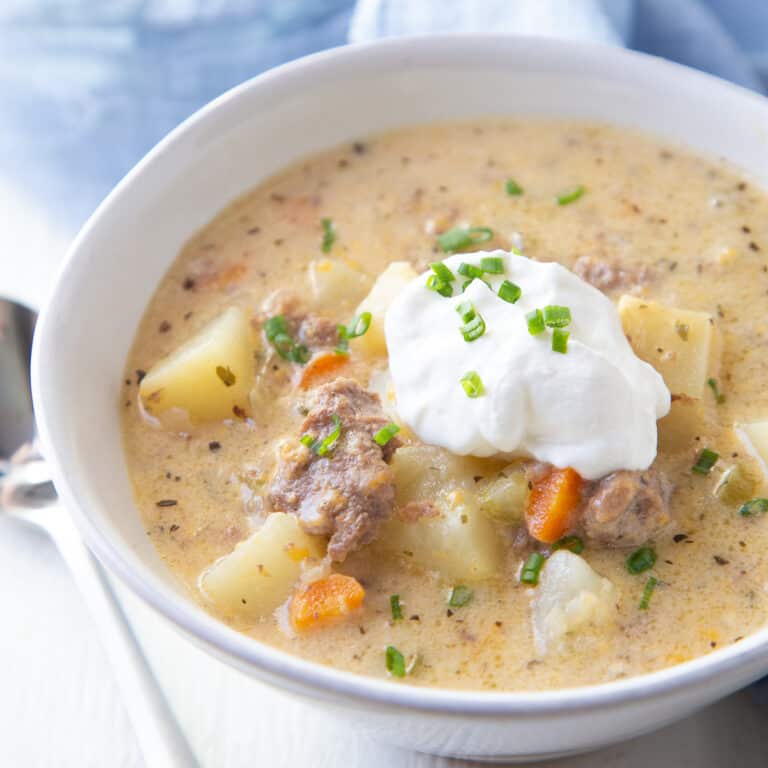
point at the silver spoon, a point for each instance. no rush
(26, 492)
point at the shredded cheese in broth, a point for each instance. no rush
(678, 244)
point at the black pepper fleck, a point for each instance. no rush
(164, 327)
(214, 445)
(720, 560)
(189, 284)
(167, 503)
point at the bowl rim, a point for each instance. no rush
(287, 669)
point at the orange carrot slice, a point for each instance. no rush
(320, 368)
(551, 504)
(325, 601)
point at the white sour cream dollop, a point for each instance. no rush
(593, 408)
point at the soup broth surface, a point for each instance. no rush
(699, 228)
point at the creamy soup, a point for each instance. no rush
(308, 489)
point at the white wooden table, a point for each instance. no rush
(59, 707)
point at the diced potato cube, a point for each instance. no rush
(460, 542)
(682, 345)
(680, 427)
(755, 439)
(209, 376)
(570, 597)
(258, 575)
(335, 284)
(502, 498)
(388, 284)
(381, 384)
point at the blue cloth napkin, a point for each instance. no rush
(87, 88)
(687, 31)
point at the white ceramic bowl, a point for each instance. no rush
(117, 260)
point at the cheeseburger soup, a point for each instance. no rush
(473, 405)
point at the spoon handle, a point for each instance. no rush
(162, 743)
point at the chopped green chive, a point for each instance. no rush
(470, 270)
(442, 272)
(434, 283)
(570, 195)
(645, 600)
(560, 340)
(326, 445)
(356, 328)
(472, 384)
(493, 265)
(573, 544)
(275, 326)
(704, 463)
(394, 604)
(531, 569)
(719, 397)
(329, 443)
(556, 317)
(474, 325)
(276, 331)
(509, 292)
(329, 235)
(459, 238)
(466, 310)
(460, 596)
(299, 354)
(754, 507)
(641, 560)
(226, 375)
(513, 188)
(284, 344)
(535, 322)
(395, 661)
(359, 325)
(386, 433)
(441, 281)
(473, 329)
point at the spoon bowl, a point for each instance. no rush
(27, 493)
